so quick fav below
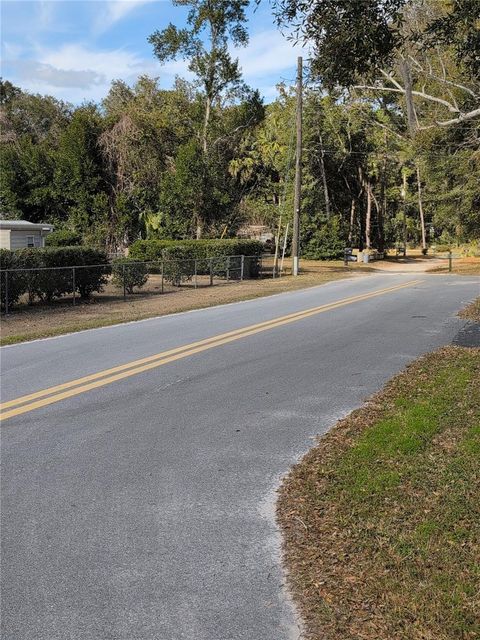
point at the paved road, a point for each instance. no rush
(143, 509)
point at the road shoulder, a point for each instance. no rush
(43, 322)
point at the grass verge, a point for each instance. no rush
(381, 520)
(30, 323)
(472, 312)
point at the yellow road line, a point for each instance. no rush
(164, 354)
(81, 385)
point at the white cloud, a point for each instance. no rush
(45, 74)
(111, 63)
(267, 54)
(115, 10)
(75, 72)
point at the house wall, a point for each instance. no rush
(4, 238)
(18, 238)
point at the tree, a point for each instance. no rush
(79, 180)
(214, 67)
(384, 41)
(217, 72)
(136, 144)
(365, 31)
(31, 126)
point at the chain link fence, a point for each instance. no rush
(125, 278)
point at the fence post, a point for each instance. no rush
(195, 273)
(450, 260)
(124, 285)
(345, 259)
(6, 292)
(162, 276)
(228, 268)
(242, 260)
(73, 284)
(211, 272)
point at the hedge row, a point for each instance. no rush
(179, 256)
(152, 250)
(46, 283)
(180, 259)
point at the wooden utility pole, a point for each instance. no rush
(420, 209)
(298, 174)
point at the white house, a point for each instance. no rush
(18, 234)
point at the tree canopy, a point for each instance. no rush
(391, 135)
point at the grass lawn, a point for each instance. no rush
(381, 520)
(40, 321)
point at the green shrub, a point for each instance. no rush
(129, 272)
(89, 278)
(63, 238)
(52, 274)
(28, 259)
(156, 250)
(326, 242)
(179, 255)
(16, 285)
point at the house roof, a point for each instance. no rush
(24, 225)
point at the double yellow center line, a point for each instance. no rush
(72, 388)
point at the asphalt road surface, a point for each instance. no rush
(138, 503)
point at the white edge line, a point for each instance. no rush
(215, 306)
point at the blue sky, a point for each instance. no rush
(72, 49)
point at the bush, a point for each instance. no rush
(129, 272)
(16, 285)
(156, 250)
(179, 255)
(326, 243)
(52, 275)
(63, 238)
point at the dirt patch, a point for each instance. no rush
(28, 323)
(381, 521)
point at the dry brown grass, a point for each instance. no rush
(381, 521)
(38, 321)
(472, 312)
(461, 266)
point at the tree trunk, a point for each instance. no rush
(324, 179)
(360, 211)
(198, 228)
(411, 115)
(381, 214)
(404, 196)
(352, 222)
(382, 208)
(368, 216)
(420, 210)
(206, 121)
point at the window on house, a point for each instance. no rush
(30, 241)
